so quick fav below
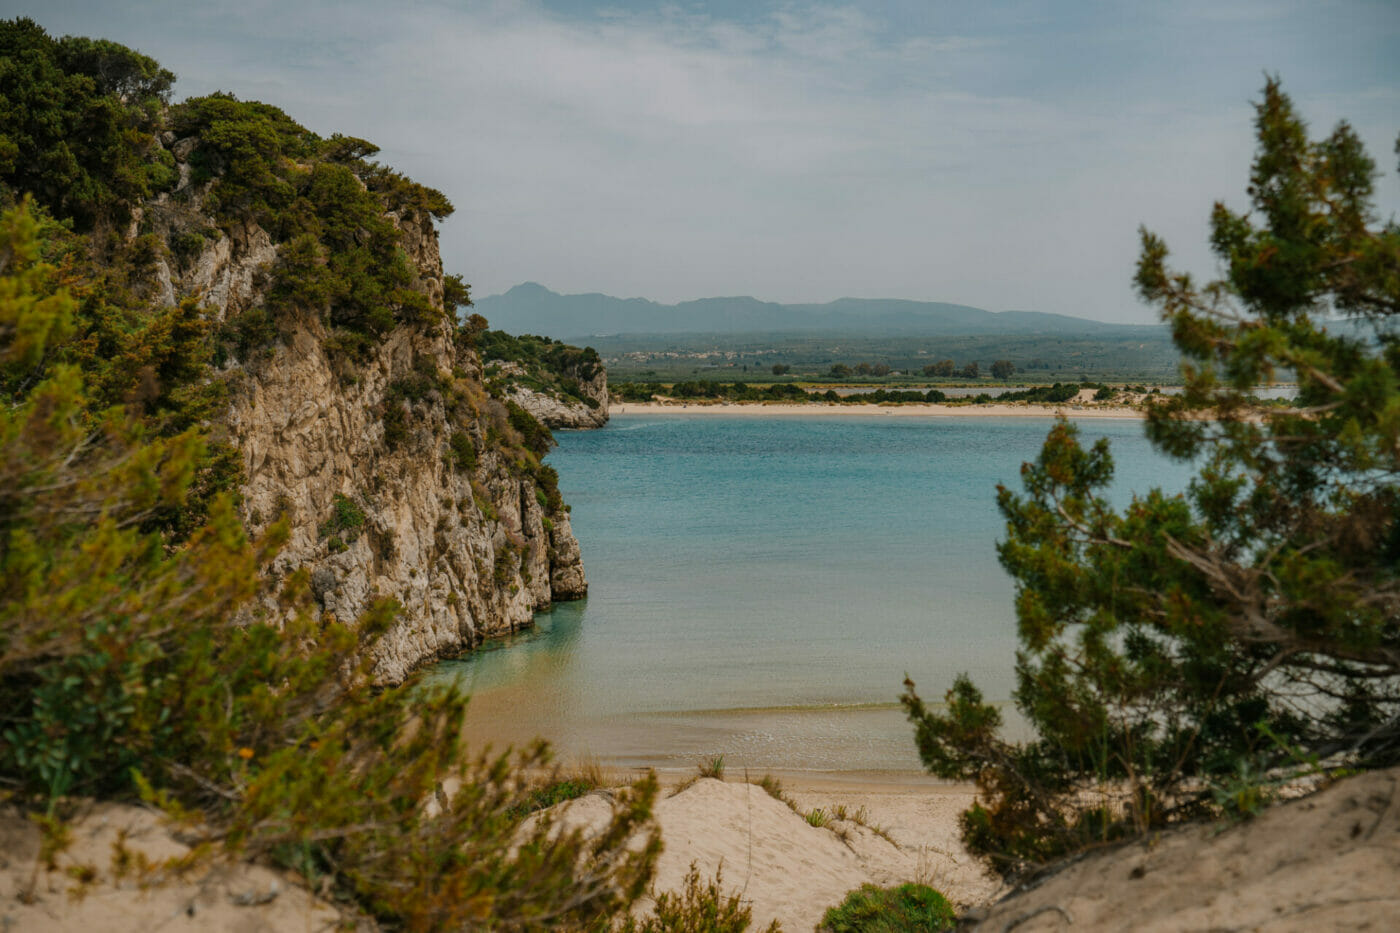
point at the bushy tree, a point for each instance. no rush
(941, 368)
(1002, 369)
(76, 122)
(1175, 655)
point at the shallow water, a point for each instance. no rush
(760, 587)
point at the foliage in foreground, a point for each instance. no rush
(123, 673)
(1175, 650)
(700, 908)
(908, 908)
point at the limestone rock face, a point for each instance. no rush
(566, 570)
(468, 549)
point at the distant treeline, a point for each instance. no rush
(787, 392)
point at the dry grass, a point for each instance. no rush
(774, 789)
(588, 769)
(714, 768)
(839, 812)
(934, 867)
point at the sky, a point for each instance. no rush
(994, 154)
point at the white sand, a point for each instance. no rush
(782, 867)
(788, 870)
(1330, 861)
(238, 897)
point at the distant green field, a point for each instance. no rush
(810, 358)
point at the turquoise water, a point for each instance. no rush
(759, 587)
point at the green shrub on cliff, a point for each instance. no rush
(545, 366)
(1177, 649)
(340, 255)
(153, 361)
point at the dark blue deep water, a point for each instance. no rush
(759, 587)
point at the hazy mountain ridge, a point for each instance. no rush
(533, 308)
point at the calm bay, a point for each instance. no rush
(759, 587)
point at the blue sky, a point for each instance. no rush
(1000, 155)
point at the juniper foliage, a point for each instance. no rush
(1253, 623)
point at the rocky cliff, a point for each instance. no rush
(554, 409)
(400, 474)
(562, 386)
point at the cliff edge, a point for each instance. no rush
(355, 402)
(562, 386)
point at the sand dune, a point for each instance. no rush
(788, 870)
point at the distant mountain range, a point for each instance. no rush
(534, 309)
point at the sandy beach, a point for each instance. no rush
(789, 866)
(1073, 411)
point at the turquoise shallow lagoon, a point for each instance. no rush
(759, 587)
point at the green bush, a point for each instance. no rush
(632, 391)
(700, 908)
(415, 387)
(554, 355)
(248, 335)
(909, 908)
(542, 798)
(548, 479)
(536, 436)
(347, 520)
(461, 452)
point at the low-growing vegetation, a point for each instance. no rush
(701, 907)
(712, 768)
(907, 908)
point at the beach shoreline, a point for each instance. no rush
(1072, 411)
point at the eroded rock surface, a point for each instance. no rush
(560, 410)
(469, 547)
